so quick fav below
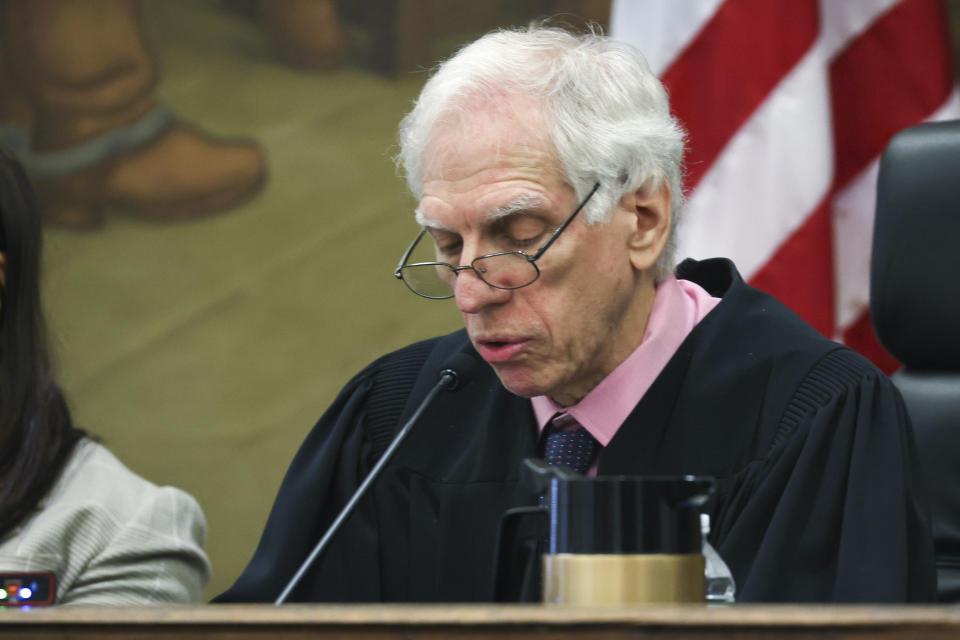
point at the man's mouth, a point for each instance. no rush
(494, 351)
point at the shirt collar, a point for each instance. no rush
(678, 306)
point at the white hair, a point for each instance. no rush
(608, 116)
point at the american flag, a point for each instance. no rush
(788, 105)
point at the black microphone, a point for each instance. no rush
(456, 373)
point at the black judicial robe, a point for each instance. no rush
(818, 495)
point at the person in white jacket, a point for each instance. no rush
(67, 505)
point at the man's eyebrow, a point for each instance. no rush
(428, 223)
(525, 202)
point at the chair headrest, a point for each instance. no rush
(915, 269)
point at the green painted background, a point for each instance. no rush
(202, 352)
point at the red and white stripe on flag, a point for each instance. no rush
(788, 105)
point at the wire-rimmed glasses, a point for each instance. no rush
(501, 270)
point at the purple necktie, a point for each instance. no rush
(568, 445)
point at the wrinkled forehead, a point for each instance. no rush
(481, 129)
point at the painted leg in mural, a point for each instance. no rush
(97, 138)
(305, 33)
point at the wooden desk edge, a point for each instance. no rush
(689, 616)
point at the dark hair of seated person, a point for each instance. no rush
(37, 435)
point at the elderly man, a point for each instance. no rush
(547, 168)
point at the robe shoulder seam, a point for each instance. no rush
(835, 374)
(392, 379)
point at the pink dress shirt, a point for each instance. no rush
(677, 308)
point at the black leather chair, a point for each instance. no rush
(915, 306)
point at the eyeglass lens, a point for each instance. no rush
(505, 271)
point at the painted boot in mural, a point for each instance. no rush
(98, 139)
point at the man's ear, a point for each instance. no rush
(650, 216)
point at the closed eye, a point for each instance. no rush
(520, 231)
(448, 245)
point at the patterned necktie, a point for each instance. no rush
(569, 446)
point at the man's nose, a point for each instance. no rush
(473, 294)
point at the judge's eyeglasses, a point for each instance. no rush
(501, 270)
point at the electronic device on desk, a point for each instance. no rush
(26, 588)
